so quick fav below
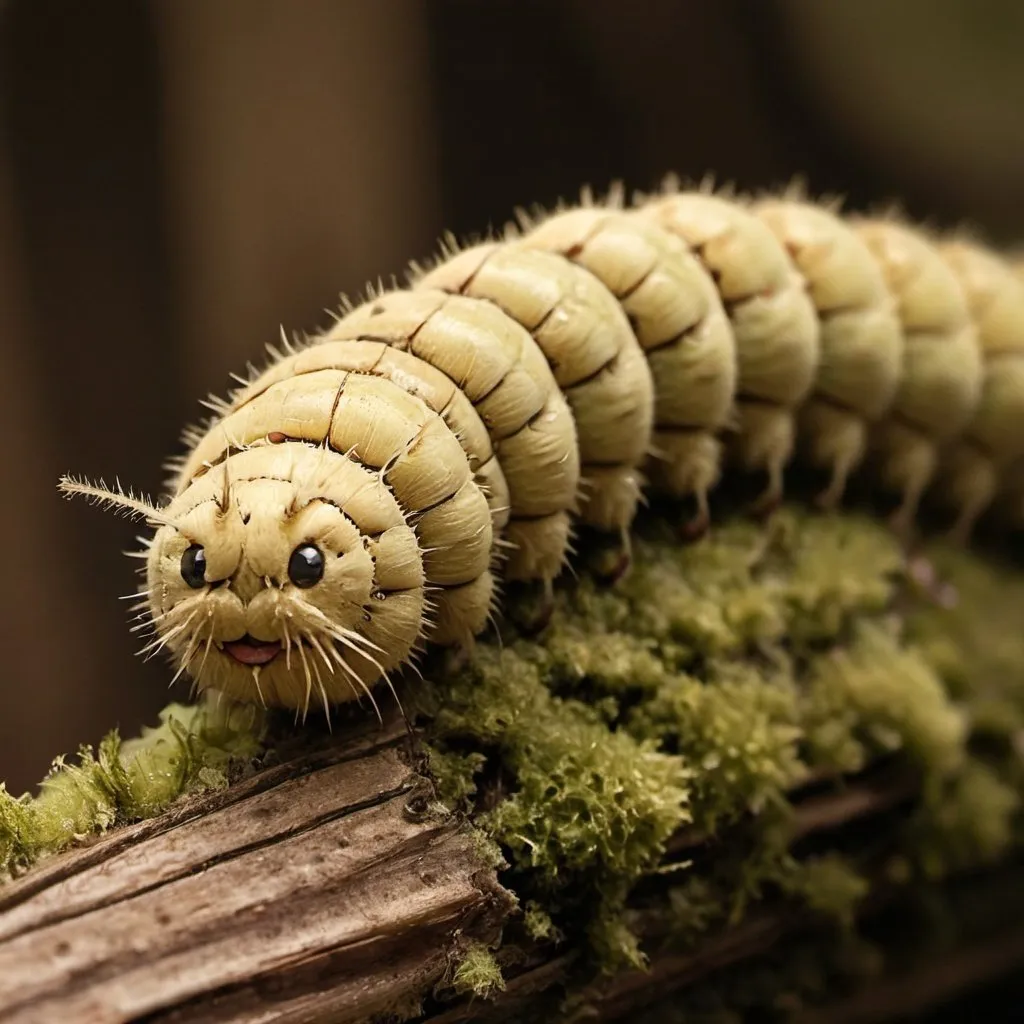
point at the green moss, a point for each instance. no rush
(974, 641)
(613, 943)
(191, 751)
(454, 774)
(581, 806)
(538, 924)
(477, 973)
(831, 885)
(966, 821)
(874, 697)
(724, 674)
(738, 730)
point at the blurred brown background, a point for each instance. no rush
(180, 177)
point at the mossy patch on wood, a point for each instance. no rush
(699, 692)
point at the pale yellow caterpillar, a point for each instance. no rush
(494, 364)
(366, 492)
(993, 438)
(593, 353)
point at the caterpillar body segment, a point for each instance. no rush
(677, 316)
(438, 391)
(773, 319)
(594, 356)
(941, 377)
(993, 439)
(861, 340)
(493, 362)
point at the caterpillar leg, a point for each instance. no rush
(765, 442)
(972, 482)
(834, 438)
(609, 496)
(617, 563)
(687, 462)
(908, 459)
(461, 612)
(537, 555)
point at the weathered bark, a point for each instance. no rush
(323, 888)
(317, 890)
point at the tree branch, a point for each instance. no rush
(317, 890)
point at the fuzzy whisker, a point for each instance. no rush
(152, 649)
(259, 689)
(354, 676)
(309, 682)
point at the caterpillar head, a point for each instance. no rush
(284, 575)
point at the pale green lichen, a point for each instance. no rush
(191, 751)
(477, 973)
(831, 885)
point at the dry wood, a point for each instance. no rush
(319, 889)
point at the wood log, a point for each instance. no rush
(328, 887)
(317, 890)
(323, 879)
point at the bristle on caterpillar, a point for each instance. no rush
(365, 492)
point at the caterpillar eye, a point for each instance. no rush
(193, 566)
(306, 565)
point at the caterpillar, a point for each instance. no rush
(367, 492)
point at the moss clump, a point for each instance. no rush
(575, 805)
(191, 751)
(738, 728)
(966, 821)
(722, 675)
(831, 885)
(873, 697)
(477, 973)
(454, 773)
(538, 924)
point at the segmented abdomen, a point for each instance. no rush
(520, 386)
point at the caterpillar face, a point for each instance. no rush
(286, 576)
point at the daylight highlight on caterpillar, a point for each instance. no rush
(366, 493)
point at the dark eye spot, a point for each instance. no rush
(193, 566)
(306, 566)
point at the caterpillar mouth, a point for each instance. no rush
(250, 651)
